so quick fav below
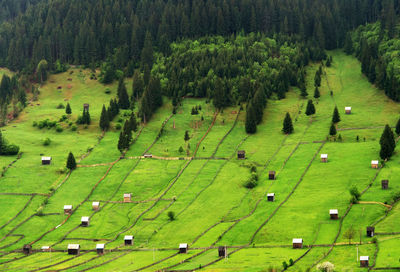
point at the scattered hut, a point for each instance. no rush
(128, 239)
(385, 184)
(27, 249)
(271, 197)
(86, 106)
(324, 157)
(67, 209)
(272, 175)
(59, 87)
(96, 205)
(222, 251)
(85, 221)
(74, 249)
(370, 231)
(297, 243)
(46, 249)
(375, 164)
(127, 198)
(241, 154)
(46, 160)
(183, 248)
(148, 156)
(334, 214)
(100, 249)
(364, 261)
(69, 79)
(347, 110)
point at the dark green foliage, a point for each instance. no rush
(133, 122)
(171, 216)
(7, 149)
(332, 130)
(310, 110)
(84, 119)
(251, 124)
(137, 86)
(108, 73)
(41, 71)
(398, 127)
(71, 163)
(252, 182)
(355, 193)
(125, 137)
(317, 79)
(335, 116)
(303, 91)
(328, 62)
(187, 137)
(388, 143)
(123, 98)
(104, 119)
(317, 94)
(287, 124)
(68, 109)
(113, 109)
(151, 99)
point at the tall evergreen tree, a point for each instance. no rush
(332, 130)
(310, 110)
(121, 142)
(251, 124)
(387, 142)
(133, 123)
(317, 94)
(287, 124)
(335, 116)
(71, 163)
(123, 98)
(137, 86)
(68, 109)
(317, 79)
(398, 127)
(147, 51)
(104, 119)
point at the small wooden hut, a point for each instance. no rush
(27, 249)
(85, 221)
(324, 157)
(95, 205)
(100, 249)
(241, 154)
(74, 249)
(183, 248)
(148, 156)
(272, 175)
(222, 251)
(46, 160)
(128, 239)
(375, 164)
(347, 110)
(67, 209)
(370, 231)
(127, 198)
(364, 261)
(46, 249)
(385, 184)
(297, 243)
(334, 214)
(271, 197)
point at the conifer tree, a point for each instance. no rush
(123, 98)
(310, 110)
(121, 142)
(71, 163)
(317, 79)
(251, 124)
(303, 90)
(316, 93)
(133, 122)
(388, 143)
(287, 124)
(398, 127)
(187, 137)
(127, 131)
(335, 116)
(137, 86)
(147, 51)
(104, 119)
(68, 109)
(332, 130)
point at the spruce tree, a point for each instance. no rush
(121, 142)
(251, 124)
(316, 93)
(317, 79)
(388, 143)
(287, 124)
(398, 127)
(137, 86)
(71, 163)
(104, 119)
(133, 122)
(332, 130)
(310, 108)
(187, 137)
(127, 131)
(68, 109)
(123, 98)
(336, 116)
(303, 90)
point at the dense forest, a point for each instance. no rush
(378, 51)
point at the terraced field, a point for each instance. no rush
(203, 185)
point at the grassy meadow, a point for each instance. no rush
(201, 182)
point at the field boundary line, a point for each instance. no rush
(11, 164)
(106, 262)
(15, 216)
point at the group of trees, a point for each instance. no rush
(84, 119)
(108, 114)
(388, 143)
(89, 31)
(11, 93)
(6, 148)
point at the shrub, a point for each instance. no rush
(285, 265)
(171, 215)
(10, 150)
(63, 118)
(291, 262)
(355, 193)
(118, 126)
(107, 91)
(252, 182)
(326, 267)
(253, 169)
(34, 124)
(181, 149)
(60, 106)
(74, 128)
(46, 142)
(59, 129)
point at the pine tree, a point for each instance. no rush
(303, 91)
(335, 116)
(133, 122)
(104, 119)
(123, 98)
(187, 137)
(68, 109)
(71, 163)
(317, 79)
(137, 86)
(310, 108)
(127, 132)
(398, 127)
(332, 130)
(147, 51)
(251, 124)
(121, 142)
(287, 124)
(316, 93)
(388, 143)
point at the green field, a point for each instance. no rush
(203, 185)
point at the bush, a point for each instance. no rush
(171, 215)
(63, 118)
(34, 124)
(355, 193)
(46, 142)
(326, 267)
(252, 182)
(285, 265)
(10, 150)
(59, 129)
(107, 91)
(181, 149)
(118, 126)
(291, 262)
(61, 106)
(74, 128)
